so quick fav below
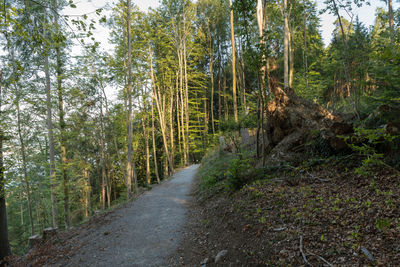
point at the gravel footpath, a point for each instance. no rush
(143, 233)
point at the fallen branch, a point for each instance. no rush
(302, 252)
(321, 258)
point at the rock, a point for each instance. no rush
(220, 255)
(204, 262)
(49, 233)
(34, 241)
(222, 142)
(367, 253)
(244, 133)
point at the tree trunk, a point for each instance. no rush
(146, 141)
(226, 108)
(391, 23)
(54, 210)
(186, 100)
(291, 58)
(61, 120)
(161, 113)
(129, 165)
(185, 159)
(305, 63)
(114, 137)
(212, 88)
(346, 64)
(171, 124)
(102, 161)
(286, 45)
(235, 112)
(26, 179)
(4, 244)
(87, 199)
(154, 145)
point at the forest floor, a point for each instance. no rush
(143, 232)
(322, 214)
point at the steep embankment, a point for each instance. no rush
(142, 233)
(319, 212)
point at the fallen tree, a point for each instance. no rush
(291, 123)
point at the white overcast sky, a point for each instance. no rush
(366, 15)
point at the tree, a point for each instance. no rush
(235, 112)
(4, 244)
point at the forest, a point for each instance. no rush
(182, 74)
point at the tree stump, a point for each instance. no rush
(49, 233)
(34, 241)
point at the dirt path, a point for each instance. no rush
(144, 233)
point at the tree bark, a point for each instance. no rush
(161, 113)
(391, 23)
(23, 154)
(154, 145)
(235, 112)
(102, 160)
(62, 121)
(146, 142)
(186, 93)
(130, 169)
(286, 45)
(54, 210)
(87, 199)
(185, 159)
(4, 244)
(171, 124)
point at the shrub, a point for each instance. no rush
(365, 143)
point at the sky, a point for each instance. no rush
(366, 15)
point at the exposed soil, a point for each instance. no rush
(340, 218)
(142, 233)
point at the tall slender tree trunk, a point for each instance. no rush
(102, 160)
(261, 21)
(114, 137)
(285, 12)
(220, 96)
(129, 165)
(61, 120)
(211, 63)
(109, 187)
(87, 198)
(161, 113)
(305, 63)
(4, 244)
(291, 58)
(178, 119)
(185, 159)
(146, 142)
(235, 112)
(345, 60)
(54, 210)
(186, 100)
(23, 154)
(391, 23)
(154, 145)
(226, 108)
(171, 124)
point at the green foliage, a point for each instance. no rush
(238, 174)
(214, 167)
(365, 142)
(382, 224)
(320, 146)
